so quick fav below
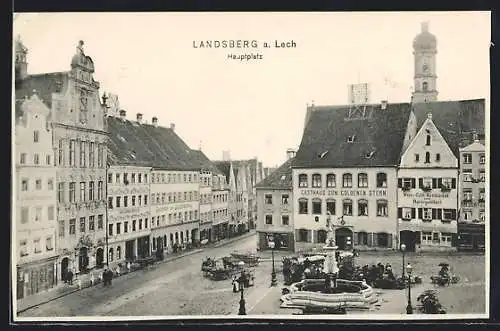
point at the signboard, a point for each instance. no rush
(345, 193)
(427, 198)
(175, 207)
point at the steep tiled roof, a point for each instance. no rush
(456, 120)
(44, 84)
(131, 143)
(325, 139)
(205, 162)
(281, 178)
(224, 167)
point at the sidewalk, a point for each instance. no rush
(62, 289)
(230, 240)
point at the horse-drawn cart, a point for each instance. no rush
(223, 268)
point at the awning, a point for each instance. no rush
(427, 227)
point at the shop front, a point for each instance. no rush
(283, 241)
(471, 237)
(35, 277)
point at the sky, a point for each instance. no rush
(256, 108)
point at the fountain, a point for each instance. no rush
(330, 292)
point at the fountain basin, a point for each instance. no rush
(309, 293)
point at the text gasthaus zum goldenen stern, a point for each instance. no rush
(250, 47)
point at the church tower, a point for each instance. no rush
(424, 80)
(21, 64)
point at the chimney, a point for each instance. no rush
(139, 118)
(172, 126)
(154, 121)
(290, 153)
(475, 137)
(383, 104)
(123, 114)
(429, 116)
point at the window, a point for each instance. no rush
(38, 184)
(82, 191)
(38, 214)
(284, 199)
(125, 227)
(36, 158)
(382, 209)
(303, 206)
(449, 214)
(139, 200)
(448, 183)
(467, 175)
(285, 219)
(118, 252)
(481, 159)
(362, 238)
(82, 224)
(100, 222)
(407, 213)
(47, 159)
(146, 200)
(91, 154)
(438, 157)
(72, 153)
(72, 226)
(110, 203)
(125, 178)
(435, 237)
(99, 190)
(330, 207)
(417, 158)
(110, 178)
(330, 180)
(91, 191)
(91, 223)
(83, 162)
(36, 245)
(23, 248)
(467, 215)
(347, 180)
(36, 137)
(50, 184)
(427, 214)
(48, 244)
(427, 157)
(22, 160)
(481, 215)
(60, 152)
(110, 253)
(426, 183)
(362, 208)
(134, 225)
(467, 158)
(428, 140)
(269, 219)
(425, 86)
(50, 213)
(24, 215)
(24, 184)
(60, 192)
(303, 235)
(61, 228)
(118, 202)
(446, 238)
(132, 178)
(316, 206)
(118, 228)
(482, 175)
(383, 239)
(117, 179)
(362, 180)
(347, 207)
(382, 179)
(269, 199)
(316, 180)
(72, 192)
(125, 201)
(140, 224)
(100, 155)
(302, 180)
(110, 229)
(481, 195)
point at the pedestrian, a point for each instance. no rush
(128, 266)
(69, 277)
(105, 277)
(117, 271)
(79, 282)
(92, 279)
(235, 289)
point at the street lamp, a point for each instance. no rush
(274, 282)
(241, 281)
(409, 308)
(403, 248)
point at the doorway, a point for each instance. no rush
(129, 250)
(342, 237)
(99, 258)
(409, 238)
(64, 268)
(83, 259)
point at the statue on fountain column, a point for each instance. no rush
(330, 236)
(330, 265)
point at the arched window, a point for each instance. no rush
(381, 179)
(425, 86)
(330, 180)
(347, 207)
(362, 207)
(302, 180)
(118, 253)
(346, 180)
(303, 206)
(362, 180)
(316, 180)
(110, 254)
(428, 140)
(362, 238)
(427, 157)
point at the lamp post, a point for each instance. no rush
(409, 308)
(403, 249)
(274, 282)
(241, 282)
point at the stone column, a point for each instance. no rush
(135, 248)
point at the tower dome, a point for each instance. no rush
(425, 39)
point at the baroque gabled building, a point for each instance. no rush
(79, 140)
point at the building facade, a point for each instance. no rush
(79, 141)
(275, 210)
(35, 181)
(128, 214)
(472, 197)
(221, 226)
(427, 192)
(220, 202)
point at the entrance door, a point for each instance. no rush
(99, 258)
(83, 259)
(341, 237)
(409, 238)
(64, 268)
(20, 284)
(129, 250)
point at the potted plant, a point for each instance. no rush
(429, 303)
